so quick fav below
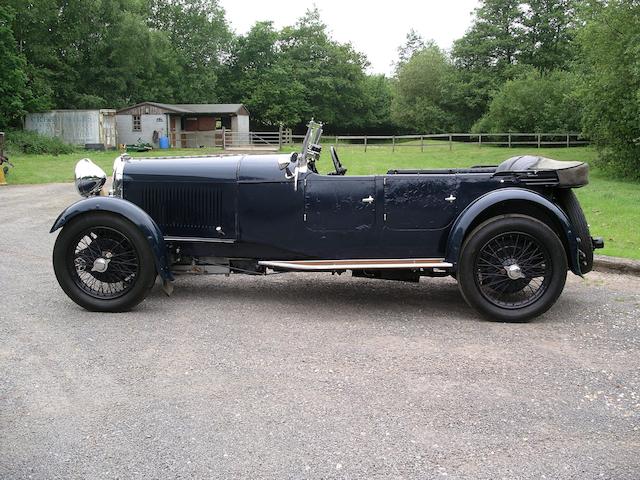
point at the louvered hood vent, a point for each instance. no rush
(186, 209)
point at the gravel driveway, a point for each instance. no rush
(306, 376)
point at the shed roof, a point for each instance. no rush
(202, 108)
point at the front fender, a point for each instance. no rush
(468, 216)
(131, 212)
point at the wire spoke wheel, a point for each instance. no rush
(104, 262)
(513, 270)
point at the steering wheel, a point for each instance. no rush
(340, 170)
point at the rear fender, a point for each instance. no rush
(467, 220)
(131, 212)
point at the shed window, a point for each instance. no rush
(137, 126)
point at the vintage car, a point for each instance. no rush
(507, 233)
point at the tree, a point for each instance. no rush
(99, 53)
(38, 46)
(506, 39)
(610, 49)
(298, 72)
(495, 38)
(549, 30)
(260, 77)
(486, 56)
(534, 103)
(111, 73)
(14, 91)
(378, 97)
(413, 44)
(332, 73)
(198, 31)
(425, 93)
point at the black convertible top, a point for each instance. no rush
(535, 169)
(569, 174)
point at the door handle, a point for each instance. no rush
(369, 199)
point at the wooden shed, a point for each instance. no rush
(186, 125)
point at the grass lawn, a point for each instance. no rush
(50, 169)
(612, 206)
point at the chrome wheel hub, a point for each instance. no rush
(514, 272)
(100, 265)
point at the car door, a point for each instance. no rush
(340, 216)
(418, 210)
(339, 204)
(419, 202)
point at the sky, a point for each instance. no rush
(374, 28)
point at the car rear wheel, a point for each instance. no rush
(512, 268)
(103, 263)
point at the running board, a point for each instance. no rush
(328, 265)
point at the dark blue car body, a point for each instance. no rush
(252, 214)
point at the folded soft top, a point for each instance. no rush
(570, 173)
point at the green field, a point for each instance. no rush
(612, 206)
(50, 169)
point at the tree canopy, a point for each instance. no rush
(425, 92)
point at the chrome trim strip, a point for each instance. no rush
(356, 264)
(199, 239)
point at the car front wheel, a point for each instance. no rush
(103, 262)
(512, 268)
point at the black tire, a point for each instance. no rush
(130, 271)
(570, 204)
(511, 246)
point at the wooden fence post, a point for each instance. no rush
(393, 143)
(280, 137)
(421, 143)
(365, 143)
(450, 143)
(509, 140)
(479, 139)
(568, 142)
(539, 135)
(224, 138)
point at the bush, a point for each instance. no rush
(534, 103)
(21, 141)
